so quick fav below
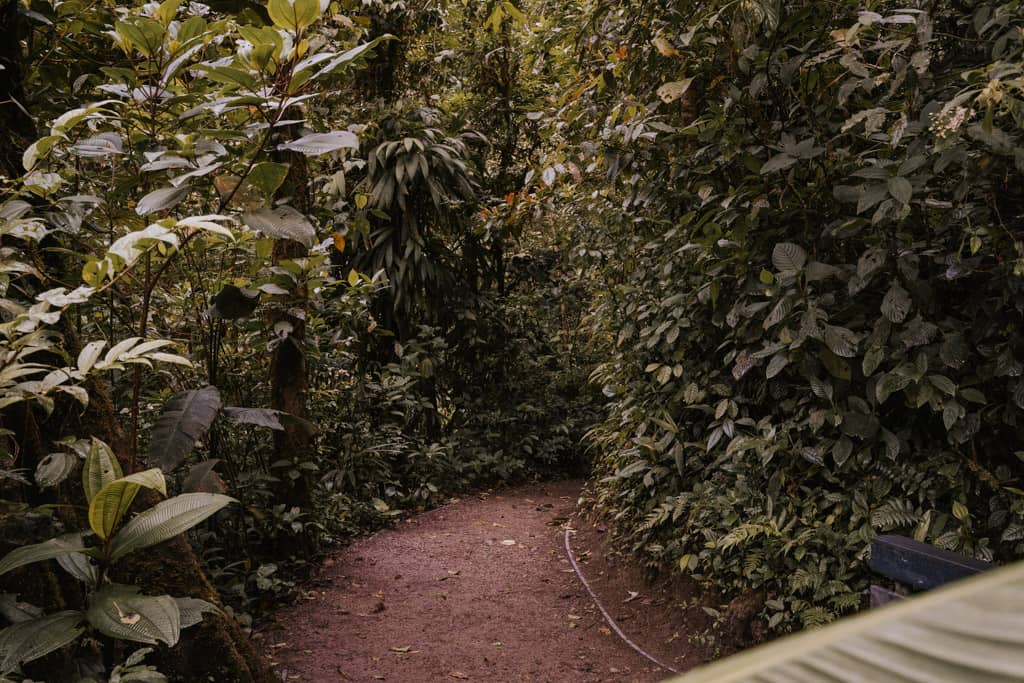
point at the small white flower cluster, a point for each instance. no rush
(948, 121)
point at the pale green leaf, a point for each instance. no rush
(29, 640)
(101, 467)
(166, 520)
(123, 612)
(109, 506)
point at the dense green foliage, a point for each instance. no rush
(782, 242)
(810, 233)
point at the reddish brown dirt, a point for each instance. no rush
(480, 589)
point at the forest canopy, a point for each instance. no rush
(277, 274)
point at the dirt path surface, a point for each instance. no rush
(479, 589)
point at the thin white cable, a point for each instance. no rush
(608, 617)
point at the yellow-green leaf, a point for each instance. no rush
(109, 506)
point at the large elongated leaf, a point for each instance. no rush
(322, 143)
(166, 520)
(260, 417)
(30, 640)
(186, 417)
(160, 200)
(284, 222)
(122, 612)
(969, 632)
(38, 552)
(112, 502)
(101, 467)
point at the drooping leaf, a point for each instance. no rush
(123, 612)
(186, 418)
(972, 630)
(109, 506)
(166, 520)
(779, 162)
(267, 177)
(260, 417)
(203, 479)
(284, 222)
(670, 92)
(322, 143)
(29, 640)
(161, 200)
(193, 609)
(101, 467)
(81, 567)
(38, 552)
(233, 303)
(788, 257)
(55, 468)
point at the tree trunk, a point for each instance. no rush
(217, 649)
(16, 124)
(289, 375)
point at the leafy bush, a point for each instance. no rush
(814, 246)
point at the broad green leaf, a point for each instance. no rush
(778, 362)
(123, 612)
(841, 341)
(267, 177)
(101, 467)
(901, 190)
(109, 506)
(972, 630)
(166, 520)
(670, 92)
(284, 222)
(161, 200)
(779, 162)
(872, 359)
(943, 384)
(55, 468)
(29, 640)
(788, 257)
(38, 552)
(234, 303)
(293, 16)
(896, 304)
(322, 143)
(186, 418)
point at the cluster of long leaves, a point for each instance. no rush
(809, 224)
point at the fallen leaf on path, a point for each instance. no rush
(403, 650)
(633, 595)
(605, 630)
(458, 674)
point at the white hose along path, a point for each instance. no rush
(608, 617)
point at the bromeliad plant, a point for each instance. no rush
(115, 610)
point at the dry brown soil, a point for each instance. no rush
(480, 589)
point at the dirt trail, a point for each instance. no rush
(479, 589)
